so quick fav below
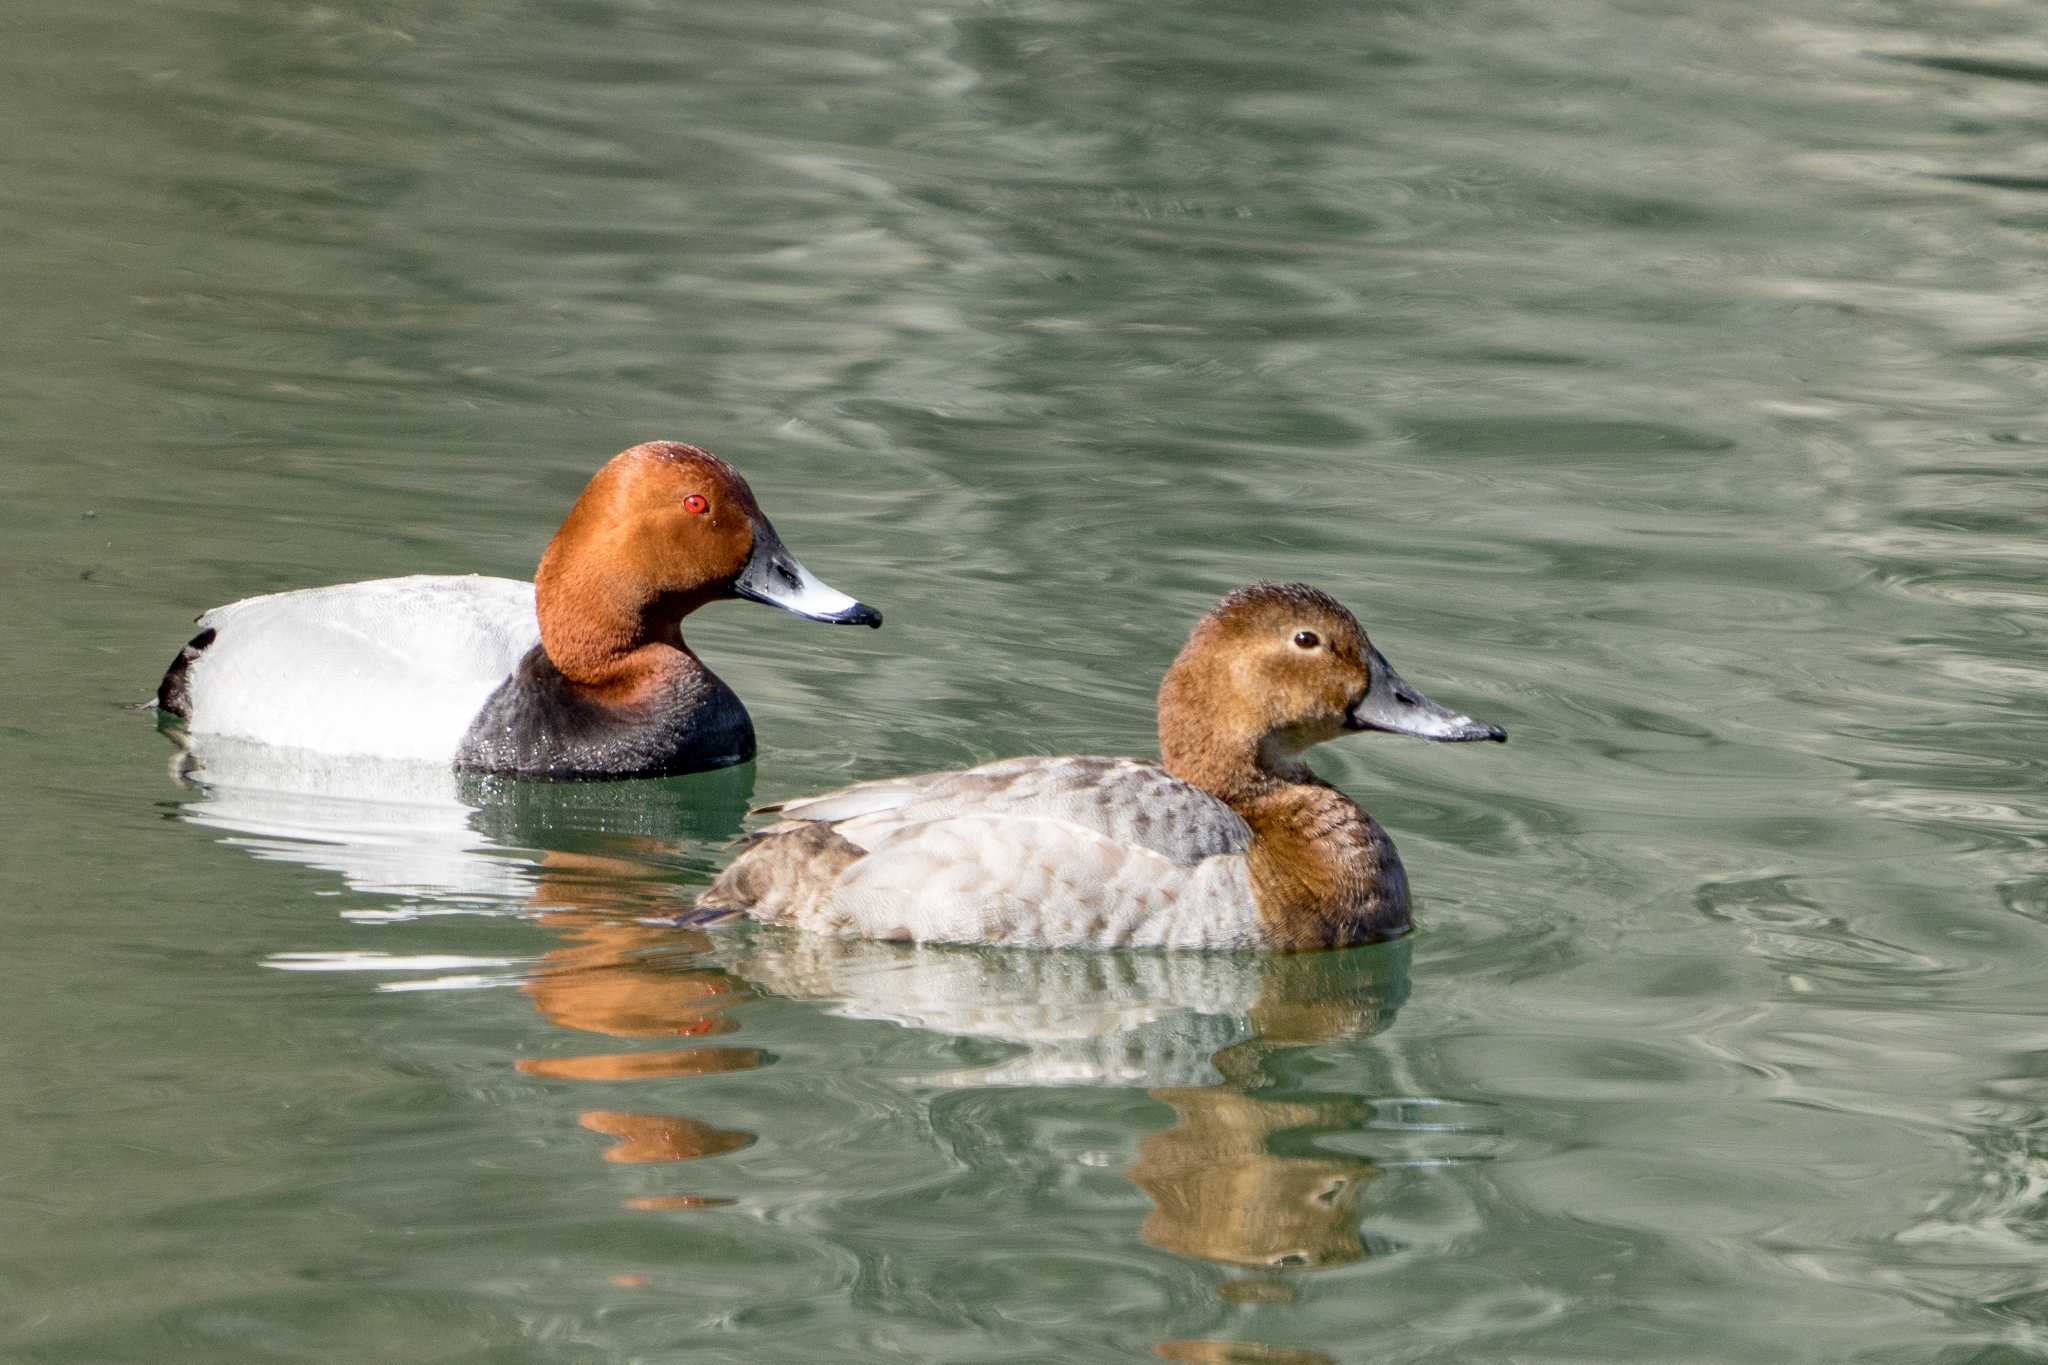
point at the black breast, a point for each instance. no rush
(538, 725)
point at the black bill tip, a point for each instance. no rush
(861, 614)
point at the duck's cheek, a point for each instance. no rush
(701, 552)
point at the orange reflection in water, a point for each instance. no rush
(1218, 1192)
(630, 1066)
(617, 976)
(630, 980)
(660, 1137)
(659, 1202)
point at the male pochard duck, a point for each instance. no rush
(582, 673)
(1228, 842)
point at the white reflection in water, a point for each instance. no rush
(385, 827)
(423, 832)
(1078, 1017)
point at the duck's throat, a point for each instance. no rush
(638, 678)
(1323, 872)
(616, 642)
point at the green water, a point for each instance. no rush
(1663, 382)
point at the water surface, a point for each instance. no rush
(1660, 381)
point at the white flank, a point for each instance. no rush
(392, 668)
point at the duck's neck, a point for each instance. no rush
(617, 646)
(1323, 872)
(637, 678)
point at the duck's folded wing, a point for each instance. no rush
(1037, 881)
(1124, 801)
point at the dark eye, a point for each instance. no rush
(695, 503)
(1307, 639)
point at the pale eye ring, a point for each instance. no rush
(696, 503)
(1307, 639)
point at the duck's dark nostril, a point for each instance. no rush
(1406, 698)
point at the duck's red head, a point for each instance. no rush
(662, 529)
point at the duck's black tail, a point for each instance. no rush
(174, 693)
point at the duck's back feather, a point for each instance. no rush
(391, 668)
(1124, 800)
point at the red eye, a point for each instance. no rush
(695, 503)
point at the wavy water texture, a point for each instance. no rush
(1660, 381)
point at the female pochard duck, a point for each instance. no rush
(582, 673)
(1228, 842)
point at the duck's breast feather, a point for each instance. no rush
(394, 667)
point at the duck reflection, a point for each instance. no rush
(1232, 1177)
(1206, 1034)
(409, 830)
(662, 1137)
(618, 976)
(615, 975)
(587, 860)
(1219, 1192)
